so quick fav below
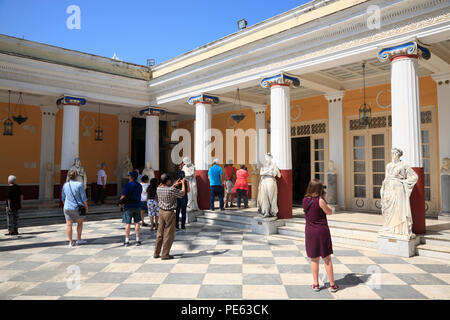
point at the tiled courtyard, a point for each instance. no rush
(210, 263)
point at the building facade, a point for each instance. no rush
(299, 76)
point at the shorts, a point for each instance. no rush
(72, 215)
(153, 208)
(131, 213)
(144, 205)
(230, 186)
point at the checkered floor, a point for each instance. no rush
(210, 263)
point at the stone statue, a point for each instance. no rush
(148, 171)
(395, 192)
(189, 175)
(268, 190)
(82, 177)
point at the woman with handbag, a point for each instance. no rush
(317, 234)
(75, 206)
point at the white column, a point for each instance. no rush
(202, 146)
(336, 140)
(406, 133)
(261, 134)
(47, 162)
(443, 98)
(280, 124)
(152, 141)
(123, 146)
(70, 135)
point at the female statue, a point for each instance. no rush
(395, 192)
(268, 190)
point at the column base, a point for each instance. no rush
(284, 202)
(417, 202)
(203, 189)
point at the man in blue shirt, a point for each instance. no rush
(131, 197)
(215, 174)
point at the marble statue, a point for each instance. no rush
(268, 190)
(82, 177)
(148, 171)
(395, 192)
(445, 187)
(189, 175)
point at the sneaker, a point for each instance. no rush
(126, 244)
(334, 288)
(315, 287)
(80, 242)
(138, 243)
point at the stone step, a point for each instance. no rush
(436, 240)
(433, 251)
(229, 215)
(235, 224)
(342, 228)
(337, 237)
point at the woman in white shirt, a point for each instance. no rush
(144, 184)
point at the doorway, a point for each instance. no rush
(301, 168)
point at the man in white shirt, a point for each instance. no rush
(101, 185)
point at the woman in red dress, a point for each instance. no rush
(317, 234)
(241, 186)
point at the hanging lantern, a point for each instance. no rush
(365, 112)
(238, 117)
(20, 108)
(99, 130)
(8, 124)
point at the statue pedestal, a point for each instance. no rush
(397, 246)
(266, 226)
(191, 216)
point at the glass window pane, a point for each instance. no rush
(378, 179)
(376, 192)
(427, 194)
(378, 153)
(318, 144)
(425, 136)
(318, 155)
(378, 166)
(426, 150)
(358, 141)
(427, 179)
(378, 140)
(319, 167)
(426, 165)
(360, 192)
(359, 166)
(358, 154)
(360, 179)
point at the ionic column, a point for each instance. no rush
(47, 161)
(260, 148)
(202, 145)
(70, 132)
(406, 133)
(280, 136)
(336, 143)
(443, 98)
(152, 141)
(123, 146)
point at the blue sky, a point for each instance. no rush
(137, 29)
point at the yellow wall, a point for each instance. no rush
(23, 146)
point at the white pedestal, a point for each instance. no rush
(266, 226)
(192, 216)
(397, 246)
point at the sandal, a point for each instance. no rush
(334, 288)
(315, 287)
